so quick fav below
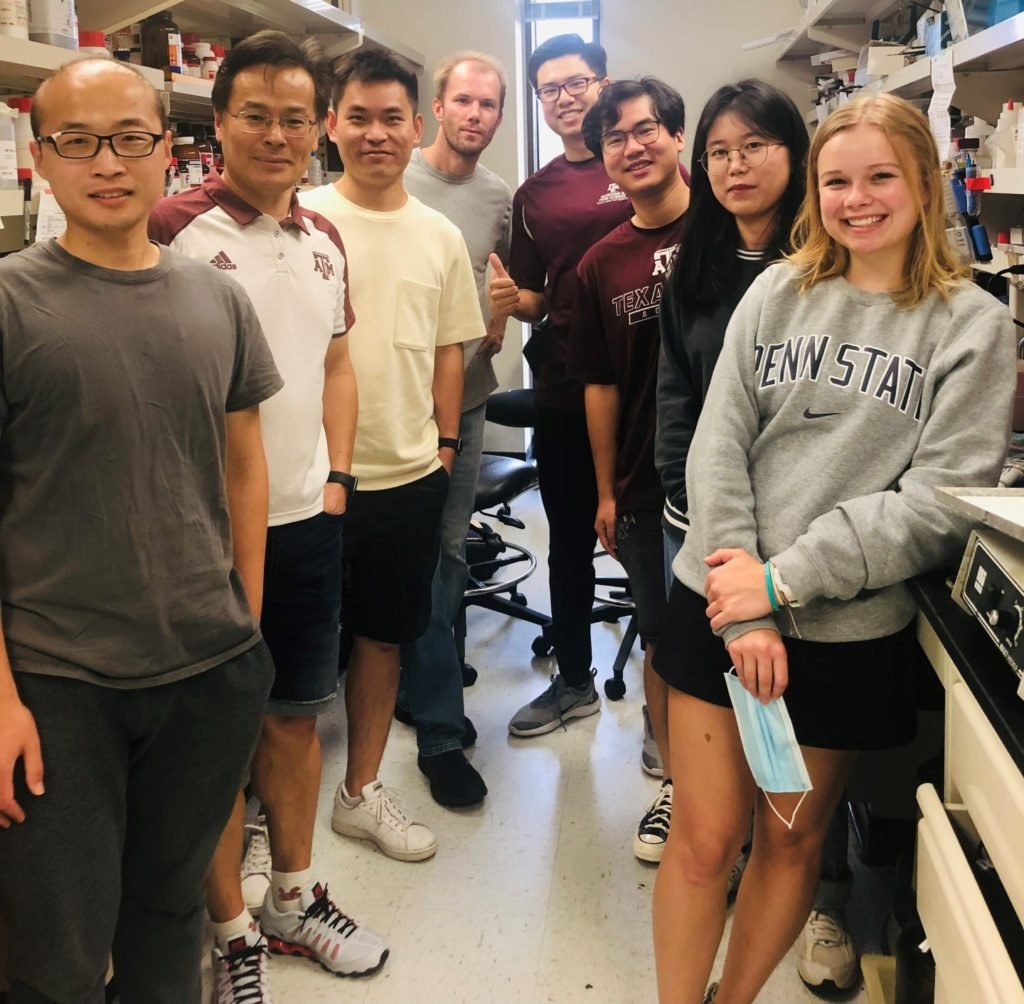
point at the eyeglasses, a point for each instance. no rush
(86, 145)
(295, 126)
(753, 154)
(645, 133)
(548, 93)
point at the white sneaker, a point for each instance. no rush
(649, 841)
(256, 866)
(320, 932)
(827, 959)
(240, 973)
(380, 816)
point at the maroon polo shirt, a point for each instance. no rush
(614, 339)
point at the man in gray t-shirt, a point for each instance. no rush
(133, 500)
(469, 96)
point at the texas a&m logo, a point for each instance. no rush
(322, 263)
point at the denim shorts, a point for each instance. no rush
(641, 549)
(301, 608)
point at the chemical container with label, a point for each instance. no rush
(23, 137)
(14, 18)
(190, 163)
(161, 43)
(8, 148)
(53, 22)
(205, 148)
(93, 43)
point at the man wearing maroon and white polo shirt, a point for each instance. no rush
(268, 99)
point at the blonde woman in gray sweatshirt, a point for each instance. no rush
(855, 377)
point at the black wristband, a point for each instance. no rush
(452, 444)
(343, 478)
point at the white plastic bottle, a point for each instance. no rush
(53, 22)
(8, 148)
(23, 138)
(93, 43)
(14, 18)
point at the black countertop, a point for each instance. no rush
(992, 680)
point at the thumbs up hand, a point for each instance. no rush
(502, 293)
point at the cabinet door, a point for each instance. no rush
(986, 781)
(971, 963)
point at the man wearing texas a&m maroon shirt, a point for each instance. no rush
(636, 127)
(557, 214)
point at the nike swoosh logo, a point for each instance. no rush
(820, 414)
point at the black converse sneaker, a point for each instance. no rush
(651, 834)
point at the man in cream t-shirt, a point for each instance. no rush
(412, 287)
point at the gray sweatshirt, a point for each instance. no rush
(831, 417)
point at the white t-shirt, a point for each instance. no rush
(412, 288)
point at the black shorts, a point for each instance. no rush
(301, 605)
(854, 695)
(392, 542)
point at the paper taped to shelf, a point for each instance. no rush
(51, 221)
(943, 86)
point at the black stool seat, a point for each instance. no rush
(502, 479)
(515, 409)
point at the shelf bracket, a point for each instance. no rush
(339, 46)
(850, 37)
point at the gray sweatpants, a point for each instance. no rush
(139, 786)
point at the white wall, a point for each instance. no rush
(692, 44)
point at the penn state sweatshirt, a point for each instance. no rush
(831, 417)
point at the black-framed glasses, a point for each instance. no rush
(753, 154)
(548, 93)
(296, 126)
(74, 145)
(645, 133)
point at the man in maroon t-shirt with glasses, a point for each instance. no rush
(557, 214)
(636, 127)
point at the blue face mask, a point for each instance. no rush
(769, 745)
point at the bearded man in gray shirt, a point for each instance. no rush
(469, 97)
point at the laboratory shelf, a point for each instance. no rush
(834, 24)
(24, 63)
(1005, 181)
(230, 18)
(995, 50)
(338, 30)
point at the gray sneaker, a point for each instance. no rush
(650, 758)
(555, 707)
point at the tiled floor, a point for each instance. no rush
(535, 896)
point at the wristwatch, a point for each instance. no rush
(343, 478)
(452, 444)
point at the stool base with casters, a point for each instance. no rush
(488, 555)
